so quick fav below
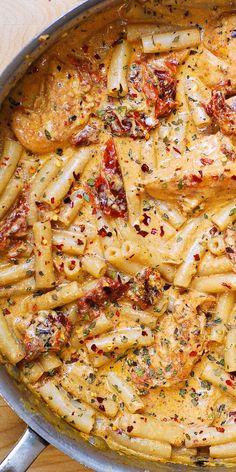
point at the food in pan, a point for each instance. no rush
(117, 231)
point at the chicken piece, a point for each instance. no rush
(230, 243)
(222, 111)
(47, 331)
(217, 60)
(15, 225)
(220, 37)
(148, 291)
(68, 96)
(203, 171)
(179, 343)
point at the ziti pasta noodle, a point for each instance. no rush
(118, 230)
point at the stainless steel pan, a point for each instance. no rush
(42, 426)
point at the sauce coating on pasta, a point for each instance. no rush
(117, 230)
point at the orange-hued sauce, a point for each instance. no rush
(117, 230)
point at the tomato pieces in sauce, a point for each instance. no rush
(109, 186)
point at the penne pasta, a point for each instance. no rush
(188, 268)
(42, 179)
(69, 242)
(49, 361)
(10, 157)
(77, 414)
(10, 194)
(222, 313)
(223, 451)
(120, 340)
(11, 273)
(217, 283)
(230, 342)
(71, 207)
(44, 272)
(75, 383)
(225, 216)
(214, 374)
(125, 391)
(171, 41)
(20, 288)
(210, 436)
(117, 84)
(114, 256)
(62, 295)
(61, 184)
(216, 246)
(137, 30)
(211, 265)
(141, 447)
(100, 325)
(196, 101)
(93, 260)
(72, 268)
(145, 427)
(11, 349)
(139, 316)
(30, 372)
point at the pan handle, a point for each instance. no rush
(24, 453)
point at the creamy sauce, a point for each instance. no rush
(161, 163)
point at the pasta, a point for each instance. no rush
(117, 81)
(118, 230)
(162, 42)
(44, 273)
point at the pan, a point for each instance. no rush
(43, 428)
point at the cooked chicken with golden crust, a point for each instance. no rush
(202, 171)
(216, 62)
(179, 343)
(67, 97)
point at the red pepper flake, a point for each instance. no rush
(233, 177)
(6, 311)
(102, 407)
(226, 285)
(52, 200)
(176, 150)
(193, 354)
(145, 168)
(146, 219)
(213, 230)
(162, 232)
(196, 257)
(220, 429)
(94, 348)
(144, 333)
(206, 162)
(229, 383)
(154, 231)
(129, 429)
(100, 399)
(82, 228)
(79, 242)
(103, 233)
(59, 247)
(140, 231)
(85, 48)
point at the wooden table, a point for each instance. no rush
(20, 20)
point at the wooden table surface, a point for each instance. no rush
(20, 20)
